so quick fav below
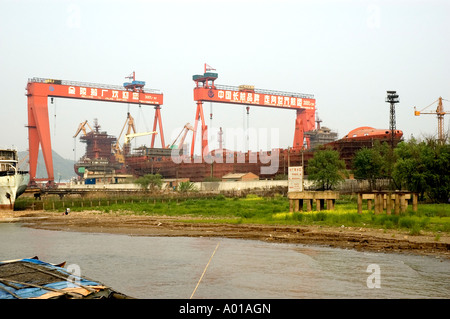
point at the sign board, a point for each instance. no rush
(253, 98)
(295, 179)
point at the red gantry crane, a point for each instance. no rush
(40, 89)
(207, 91)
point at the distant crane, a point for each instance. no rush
(187, 127)
(440, 112)
(82, 127)
(128, 137)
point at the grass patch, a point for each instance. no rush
(257, 210)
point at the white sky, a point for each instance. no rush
(346, 53)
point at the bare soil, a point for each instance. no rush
(362, 239)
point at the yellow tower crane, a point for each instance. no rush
(131, 133)
(82, 127)
(440, 112)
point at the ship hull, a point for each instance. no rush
(198, 170)
(11, 187)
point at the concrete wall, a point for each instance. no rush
(239, 185)
(347, 186)
(201, 186)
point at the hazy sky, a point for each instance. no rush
(346, 53)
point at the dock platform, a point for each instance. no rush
(297, 199)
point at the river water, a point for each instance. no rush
(170, 267)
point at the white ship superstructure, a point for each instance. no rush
(13, 182)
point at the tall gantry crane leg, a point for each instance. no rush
(204, 138)
(305, 121)
(158, 121)
(39, 132)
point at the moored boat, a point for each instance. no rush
(13, 182)
(31, 278)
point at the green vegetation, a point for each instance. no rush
(326, 169)
(253, 209)
(149, 181)
(373, 163)
(421, 167)
(186, 186)
(424, 167)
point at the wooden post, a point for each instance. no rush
(397, 204)
(359, 203)
(329, 204)
(381, 203)
(415, 199)
(388, 203)
(291, 205)
(369, 204)
(296, 204)
(318, 208)
(377, 205)
(309, 205)
(403, 203)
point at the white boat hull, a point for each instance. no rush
(11, 187)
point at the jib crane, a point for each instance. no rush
(440, 112)
(40, 89)
(207, 91)
(186, 128)
(82, 127)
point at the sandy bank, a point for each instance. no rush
(363, 239)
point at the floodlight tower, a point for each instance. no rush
(392, 99)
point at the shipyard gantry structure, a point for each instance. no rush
(104, 155)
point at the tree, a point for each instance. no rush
(375, 163)
(424, 167)
(326, 169)
(367, 164)
(149, 181)
(186, 186)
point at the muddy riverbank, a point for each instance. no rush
(362, 239)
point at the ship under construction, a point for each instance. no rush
(104, 162)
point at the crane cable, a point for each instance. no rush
(54, 117)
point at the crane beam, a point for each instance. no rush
(267, 98)
(128, 137)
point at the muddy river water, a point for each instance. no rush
(170, 267)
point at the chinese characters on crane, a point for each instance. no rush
(113, 95)
(245, 97)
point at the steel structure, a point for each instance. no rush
(392, 99)
(440, 112)
(40, 89)
(207, 91)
